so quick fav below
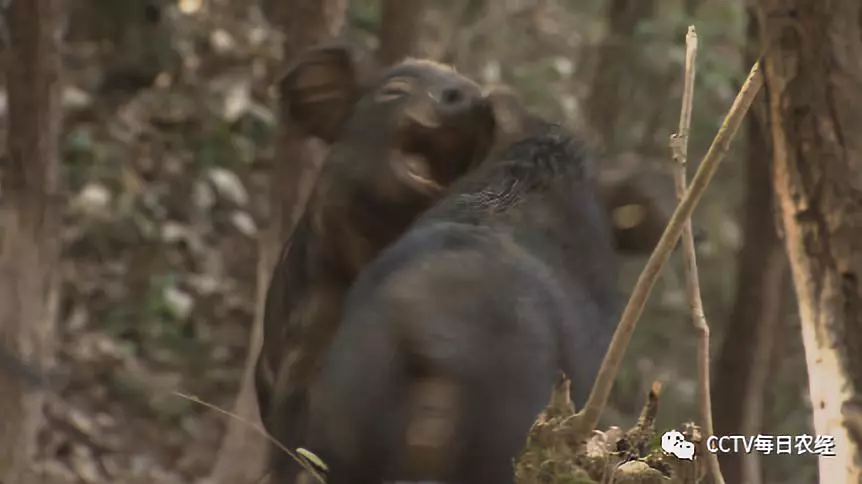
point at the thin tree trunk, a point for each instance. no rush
(744, 361)
(399, 24)
(605, 100)
(304, 23)
(28, 223)
(814, 76)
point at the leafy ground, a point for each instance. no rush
(160, 253)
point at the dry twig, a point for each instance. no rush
(258, 430)
(585, 421)
(679, 148)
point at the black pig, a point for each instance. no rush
(453, 337)
(637, 196)
(394, 144)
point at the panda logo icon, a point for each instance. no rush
(673, 442)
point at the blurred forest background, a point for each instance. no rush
(168, 177)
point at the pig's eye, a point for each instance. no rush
(394, 89)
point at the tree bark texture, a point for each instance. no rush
(29, 250)
(605, 100)
(399, 24)
(304, 23)
(743, 364)
(814, 77)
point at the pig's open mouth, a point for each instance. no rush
(413, 170)
(434, 150)
(431, 158)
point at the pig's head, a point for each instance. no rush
(636, 194)
(514, 121)
(396, 140)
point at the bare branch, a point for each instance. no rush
(585, 421)
(679, 147)
(253, 427)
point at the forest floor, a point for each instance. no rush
(164, 201)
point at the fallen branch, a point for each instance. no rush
(679, 149)
(585, 421)
(258, 430)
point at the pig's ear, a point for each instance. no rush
(512, 120)
(321, 90)
(510, 114)
(640, 200)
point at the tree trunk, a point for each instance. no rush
(743, 365)
(604, 102)
(398, 26)
(28, 223)
(814, 76)
(304, 23)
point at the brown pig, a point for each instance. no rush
(395, 143)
